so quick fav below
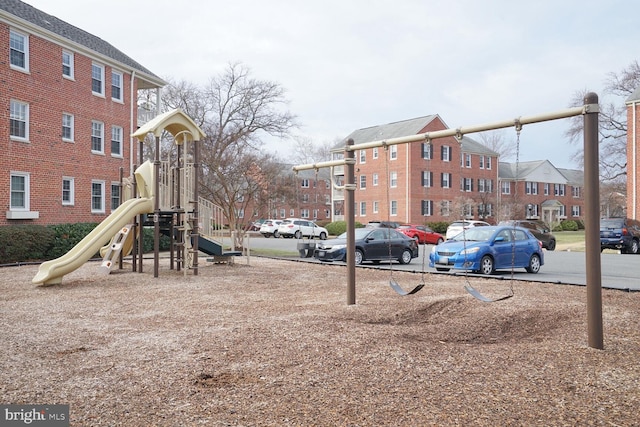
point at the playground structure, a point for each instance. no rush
(590, 112)
(161, 194)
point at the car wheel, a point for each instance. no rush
(534, 264)
(442, 269)
(439, 241)
(552, 245)
(486, 265)
(406, 257)
(359, 257)
(634, 248)
(297, 234)
(276, 234)
(323, 236)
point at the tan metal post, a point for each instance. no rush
(592, 222)
(349, 209)
(156, 211)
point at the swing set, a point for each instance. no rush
(590, 112)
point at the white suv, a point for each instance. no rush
(270, 228)
(298, 228)
(456, 227)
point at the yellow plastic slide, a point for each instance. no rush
(51, 272)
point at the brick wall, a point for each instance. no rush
(46, 157)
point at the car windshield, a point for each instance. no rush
(480, 234)
(611, 223)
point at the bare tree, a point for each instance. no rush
(498, 142)
(307, 151)
(613, 122)
(236, 112)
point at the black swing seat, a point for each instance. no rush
(474, 292)
(396, 287)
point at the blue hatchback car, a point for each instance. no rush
(487, 249)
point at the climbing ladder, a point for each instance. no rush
(115, 249)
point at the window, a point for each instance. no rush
(241, 213)
(327, 199)
(19, 120)
(363, 156)
(393, 179)
(282, 213)
(97, 137)
(363, 208)
(376, 206)
(558, 189)
(531, 187)
(375, 152)
(467, 160)
(116, 85)
(375, 179)
(426, 207)
(19, 191)
(445, 180)
(304, 213)
(481, 185)
(445, 208)
(505, 187)
(445, 153)
(304, 183)
(305, 198)
(97, 79)
(97, 197)
(67, 127)
(115, 195)
(485, 210)
(488, 163)
(315, 214)
(427, 178)
(575, 192)
(563, 211)
(116, 141)
(481, 162)
(546, 189)
(575, 211)
(363, 182)
(292, 212)
(394, 208)
(467, 184)
(67, 64)
(19, 50)
(67, 191)
(427, 151)
(393, 152)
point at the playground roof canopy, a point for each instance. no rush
(176, 122)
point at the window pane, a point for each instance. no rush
(17, 45)
(18, 192)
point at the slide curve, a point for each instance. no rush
(51, 272)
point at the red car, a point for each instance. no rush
(421, 233)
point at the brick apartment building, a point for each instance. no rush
(633, 155)
(71, 103)
(449, 179)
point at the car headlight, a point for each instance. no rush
(470, 251)
(338, 247)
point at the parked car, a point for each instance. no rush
(255, 225)
(538, 228)
(421, 233)
(299, 228)
(457, 226)
(620, 233)
(270, 228)
(372, 244)
(487, 249)
(387, 224)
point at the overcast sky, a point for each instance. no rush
(350, 64)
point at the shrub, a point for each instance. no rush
(439, 227)
(67, 236)
(569, 225)
(336, 228)
(22, 243)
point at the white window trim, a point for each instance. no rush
(22, 212)
(73, 121)
(118, 73)
(101, 151)
(102, 196)
(71, 65)
(101, 67)
(26, 51)
(71, 191)
(26, 126)
(113, 129)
